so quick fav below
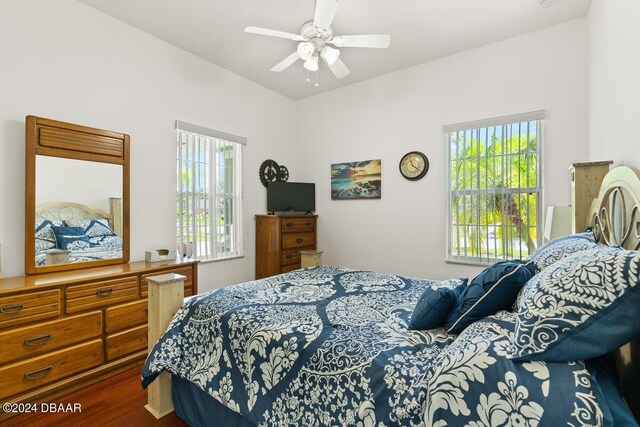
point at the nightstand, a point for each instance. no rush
(57, 256)
(310, 258)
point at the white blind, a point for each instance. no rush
(494, 188)
(209, 202)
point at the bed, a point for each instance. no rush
(100, 245)
(330, 346)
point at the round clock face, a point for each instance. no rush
(414, 165)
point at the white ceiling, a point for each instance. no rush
(421, 30)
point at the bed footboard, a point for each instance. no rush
(166, 296)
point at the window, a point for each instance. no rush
(209, 204)
(495, 188)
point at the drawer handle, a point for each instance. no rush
(39, 340)
(299, 240)
(104, 291)
(11, 308)
(289, 224)
(38, 373)
(289, 256)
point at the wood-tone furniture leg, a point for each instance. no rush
(166, 295)
(310, 258)
(115, 210)
(586, 179)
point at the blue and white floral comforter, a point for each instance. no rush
(330, 346)
(101, 248)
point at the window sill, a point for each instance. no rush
(208, 260)
(474, 263)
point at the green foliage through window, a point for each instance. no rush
(495, 192)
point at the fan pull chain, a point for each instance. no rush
(316, 85)
(308, 79)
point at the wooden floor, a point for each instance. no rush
(118, 401)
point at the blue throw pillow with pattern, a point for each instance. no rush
(93, 227)
(45, 238)
(492, 290)
(581, 307)
(435, 303)
(71, 238)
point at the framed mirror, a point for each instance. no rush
(76, 198)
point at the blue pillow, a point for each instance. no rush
(93, 227)
(556, 249)
(581, 307)
(71, 238)
(435, 303)
(492, 290)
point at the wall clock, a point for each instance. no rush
(414, 165)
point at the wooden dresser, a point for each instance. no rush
(63, 331)
(279, 240)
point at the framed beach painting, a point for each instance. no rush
(356, 180)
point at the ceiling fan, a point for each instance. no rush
(316, 36)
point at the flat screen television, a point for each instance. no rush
(291, 196)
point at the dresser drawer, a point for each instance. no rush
(126, 315)
(184, 271)
(38, 371)
(297, 225)
(288, 268)
(126, 342)
(298, 240)
(29, 307)
(290, 257)
(46, 336)
(99, 294)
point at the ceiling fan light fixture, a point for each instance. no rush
(311, 64)
(330, 55)
(306, 50)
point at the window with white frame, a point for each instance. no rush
(209, 203)
(494, 188)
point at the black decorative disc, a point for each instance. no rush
(269, 170)
(283, 174)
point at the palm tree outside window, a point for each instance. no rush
(495, 188)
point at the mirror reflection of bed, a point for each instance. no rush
(73, 233)
(78, 211)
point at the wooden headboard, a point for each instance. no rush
(615, 217)
(65, 211)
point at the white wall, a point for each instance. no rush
(614, 81)
(66, 61)
(385, 117)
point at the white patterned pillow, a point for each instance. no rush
(581, 307)
(556, 249)
(45, 238)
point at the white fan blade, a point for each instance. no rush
(325, 12)
(380, 41)
(274, 33)
(338, 69)
(286, 62)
